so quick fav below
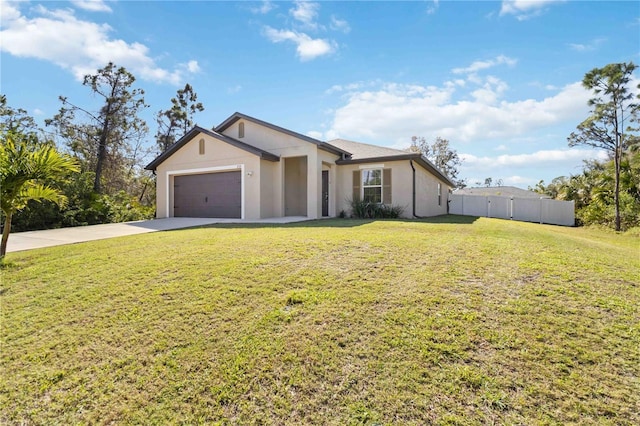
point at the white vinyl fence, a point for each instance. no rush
(539, 210)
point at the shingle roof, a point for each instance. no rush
(366, 153)
(361, 150)
(504, 191)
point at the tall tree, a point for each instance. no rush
(179, 118)
(441, 155)
(111, 136)
(612, 106)
(26, 167)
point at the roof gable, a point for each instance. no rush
(224, 138)
(321, 145)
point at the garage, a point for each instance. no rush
(216, 195)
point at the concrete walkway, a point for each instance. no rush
(55, 237)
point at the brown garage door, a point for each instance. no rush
(208, 195)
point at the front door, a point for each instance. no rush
(325, 193)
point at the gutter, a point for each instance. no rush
(414, 191)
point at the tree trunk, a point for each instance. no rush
(144, 189)
(618, 123)
(5, 235)
(616, 193)
(102, 154)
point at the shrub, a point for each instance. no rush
(600, 211)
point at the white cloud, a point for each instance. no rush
(92, 5)
(518, 180)
(391, 113)
(593, 45)
(82, 47)
(337, 88)
(431, 9)
(526, 169)
(264, 8)
(307, 48)
(234, 89)
(8, 12)
(482, 65)
(525, 9)
(490, 91)
(544, 157)
(193, 67)
(315, 135)
(306, 13)
(543, 86)
(339, 25)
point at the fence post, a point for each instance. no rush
(540, 210)
(511, 208)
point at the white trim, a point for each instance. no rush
(234, 167)
(371, 166)
(381, 186)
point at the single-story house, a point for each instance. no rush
(249, 169)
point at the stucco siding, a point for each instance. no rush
(401, 188)
(217, 156)
(285, 146)
(427, 203)
(270, 190)
(270, 140)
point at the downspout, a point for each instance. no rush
(414, 190)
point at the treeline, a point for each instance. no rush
(593, 192)
(110, 145)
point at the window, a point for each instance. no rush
(439, 194)
(372, 186)
(241, 130)
(201, 146)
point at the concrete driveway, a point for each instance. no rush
(55, 237)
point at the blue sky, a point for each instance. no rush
(500, 80)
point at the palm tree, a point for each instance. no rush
(26, 167)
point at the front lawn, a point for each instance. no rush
(446, 321)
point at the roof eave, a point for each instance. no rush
(433, 169)
(333, 149)
(153, 165)
(426, 164)
(377, 159)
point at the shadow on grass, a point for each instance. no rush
(342, 223)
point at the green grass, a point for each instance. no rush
(444, 321)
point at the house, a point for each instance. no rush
(249, 169)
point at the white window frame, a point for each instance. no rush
(363, 186)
